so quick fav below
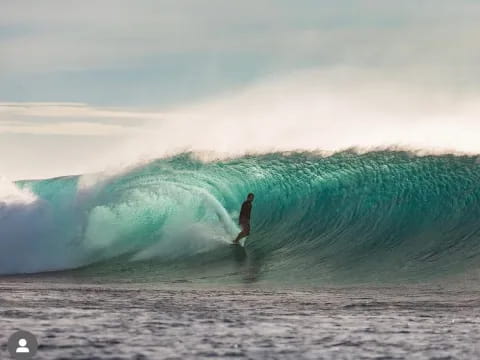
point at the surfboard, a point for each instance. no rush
(240, 243)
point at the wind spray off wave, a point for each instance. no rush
(348, 216)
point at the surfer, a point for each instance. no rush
(244, 218)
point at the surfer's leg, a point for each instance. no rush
(239, 236)
(244, 233)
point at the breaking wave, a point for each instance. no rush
(344, 217)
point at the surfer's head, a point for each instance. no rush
(250, 197)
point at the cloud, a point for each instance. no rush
(72, 110)
(166, 52)
(70, 119)
(69, 35)
(66, 128)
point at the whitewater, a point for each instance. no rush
(348, 217)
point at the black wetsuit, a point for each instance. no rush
(244, 219)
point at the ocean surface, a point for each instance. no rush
(80, 321)
(352, 255)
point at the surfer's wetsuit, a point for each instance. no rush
(244, 219)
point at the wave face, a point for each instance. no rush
(378, 216)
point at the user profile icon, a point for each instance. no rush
(22, 345)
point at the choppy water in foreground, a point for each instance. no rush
(81, 321)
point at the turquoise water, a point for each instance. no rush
(346, 218)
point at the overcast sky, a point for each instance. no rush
(88, 76)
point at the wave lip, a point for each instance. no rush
(344, 217)
(12, 194)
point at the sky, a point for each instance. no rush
(86, 85)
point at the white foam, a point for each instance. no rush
(12, 194)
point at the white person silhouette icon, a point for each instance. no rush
(22, 345)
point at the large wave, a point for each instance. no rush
(343, 217)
